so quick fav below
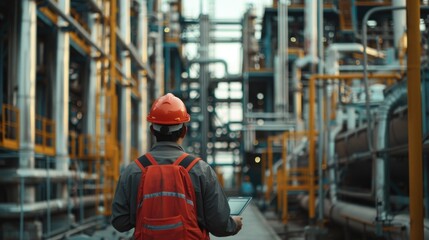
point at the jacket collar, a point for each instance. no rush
(166, 145)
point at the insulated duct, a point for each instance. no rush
(362, 219)
(397, 97)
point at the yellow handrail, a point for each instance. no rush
(9, 127)
(45, 136)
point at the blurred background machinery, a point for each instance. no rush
(309, 99)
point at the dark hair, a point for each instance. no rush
(164, 136)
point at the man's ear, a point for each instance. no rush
(184, 130)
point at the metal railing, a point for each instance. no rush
(9, 128)
(45, 136)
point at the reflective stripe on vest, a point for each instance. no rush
(163, 227)
(169, 194)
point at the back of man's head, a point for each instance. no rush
(168, 116)
(170, 133)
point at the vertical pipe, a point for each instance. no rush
(270, 169)
(91, 89)
(399, 22)
(27, 82)
(320, 98)
(125, 101)
(26, 100)
(167, 72)
(425, 183)
(142, 44)
(21, 206)
(112, 65)
(245, 43)
(415, 121)
(48, 197)
(61, 96)
(263, 168)
(310, 42)
(285, 60)
(204, 78)
(80, 172)
(330, 155)
(297, 99)
(13, 56)
(281, 88)
(380, 165)
(159, 59)
(310, 31)
(2, 49)
(311, 139)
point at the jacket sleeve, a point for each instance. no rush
(216, 208)
(120, 207)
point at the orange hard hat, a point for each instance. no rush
(168, 110)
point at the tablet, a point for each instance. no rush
(238, 204)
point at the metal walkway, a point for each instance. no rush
(255, 227)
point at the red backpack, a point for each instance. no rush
(166, 206)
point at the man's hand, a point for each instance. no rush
(238, 223)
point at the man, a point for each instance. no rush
(168, 116)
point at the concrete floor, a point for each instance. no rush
(255, 227)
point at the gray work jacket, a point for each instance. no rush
(212, 204)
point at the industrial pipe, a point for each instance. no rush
(296, 77)
(361, 218)
(75, 25)
(321, 94)
(365, 71)
(211, 60)
(415, 121)
(281, 82)
(35, 208)
(159, 56)
(331, 135)
(312, 130)
(389, 103)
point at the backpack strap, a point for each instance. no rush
(187, 161)
(145, 161)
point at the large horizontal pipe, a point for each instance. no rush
(363, 219)
(40, 175)
(354, 47)
(40, 208)
(266, 115)
(271, 126)
(229, 79)
(211, 61)
(214, 40)
(374, 68)
(214, 22)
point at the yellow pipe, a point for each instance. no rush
(110, 103)
(285, 181)
(279, 188)
(415, 147)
